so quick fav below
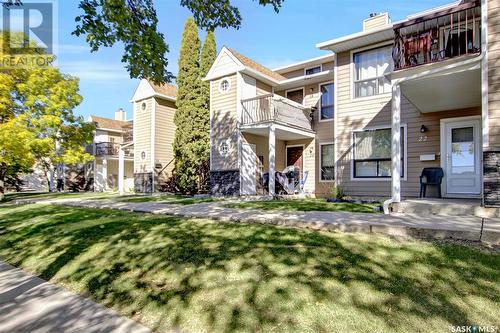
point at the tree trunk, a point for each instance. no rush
(2, 190)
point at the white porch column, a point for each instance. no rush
(121, 170)
(396, 143)
(105, 174)
(272, 160)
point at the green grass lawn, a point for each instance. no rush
(304, 205)
(53, 195)
(202, 276)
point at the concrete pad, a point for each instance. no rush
(30, 304)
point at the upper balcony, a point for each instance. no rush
(272, 108)
(111, 149)
(451, 33)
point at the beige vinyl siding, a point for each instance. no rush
(494, 73)
(414, 119)
(118, 138)
(142, 139)
(263, 89)
(356, 114)
(164, 134)
(223, 127)
(375, 112)
(294, 73)
(375, 22)
(326, 66)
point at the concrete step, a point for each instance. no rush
(445, 207)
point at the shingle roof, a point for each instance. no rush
(108, 123)
(258, 67)
(165, 89)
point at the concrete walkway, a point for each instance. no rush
(458, 227)
(29, 304)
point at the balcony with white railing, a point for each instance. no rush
(271, 108)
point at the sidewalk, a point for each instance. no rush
(439, 227)
(29, 304)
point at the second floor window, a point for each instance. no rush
(370, 68)
(313, 70)
(326, 101)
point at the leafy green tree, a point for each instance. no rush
(135, 24)
(37, 121)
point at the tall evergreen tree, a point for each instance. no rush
(189, 104)
(208, 55)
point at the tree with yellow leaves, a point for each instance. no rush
(37, 123)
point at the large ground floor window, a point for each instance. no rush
(372, 153)
(327, 162)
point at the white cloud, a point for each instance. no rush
(95, 71)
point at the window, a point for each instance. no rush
(327, 162)
(313, 70)
(326, 102)
(372, 153)
(296, 95)
(224, 86)
(143, 106)
(369, 70)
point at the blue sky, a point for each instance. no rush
(269, 38)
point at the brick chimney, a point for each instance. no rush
(376, 21)
(120, 114)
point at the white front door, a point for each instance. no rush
(461, 157)
(248, 169)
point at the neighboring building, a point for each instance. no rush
(389, 101)
(154, 131)
(111, 136)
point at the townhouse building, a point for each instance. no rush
(383, 104)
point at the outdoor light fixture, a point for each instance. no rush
(423, 129)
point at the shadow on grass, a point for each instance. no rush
(305, 205)
(197, 275)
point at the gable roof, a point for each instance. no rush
(165, 89)
(108, 123)
(247, 62)
(147, 89)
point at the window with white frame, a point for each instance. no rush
(326, 162)
(326, 101)
(370, 68)
(313, 70)
(372, 153)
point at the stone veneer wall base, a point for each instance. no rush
(225, 182)
(491, 178)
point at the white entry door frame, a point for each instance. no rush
(248, 177)
(461, 152)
